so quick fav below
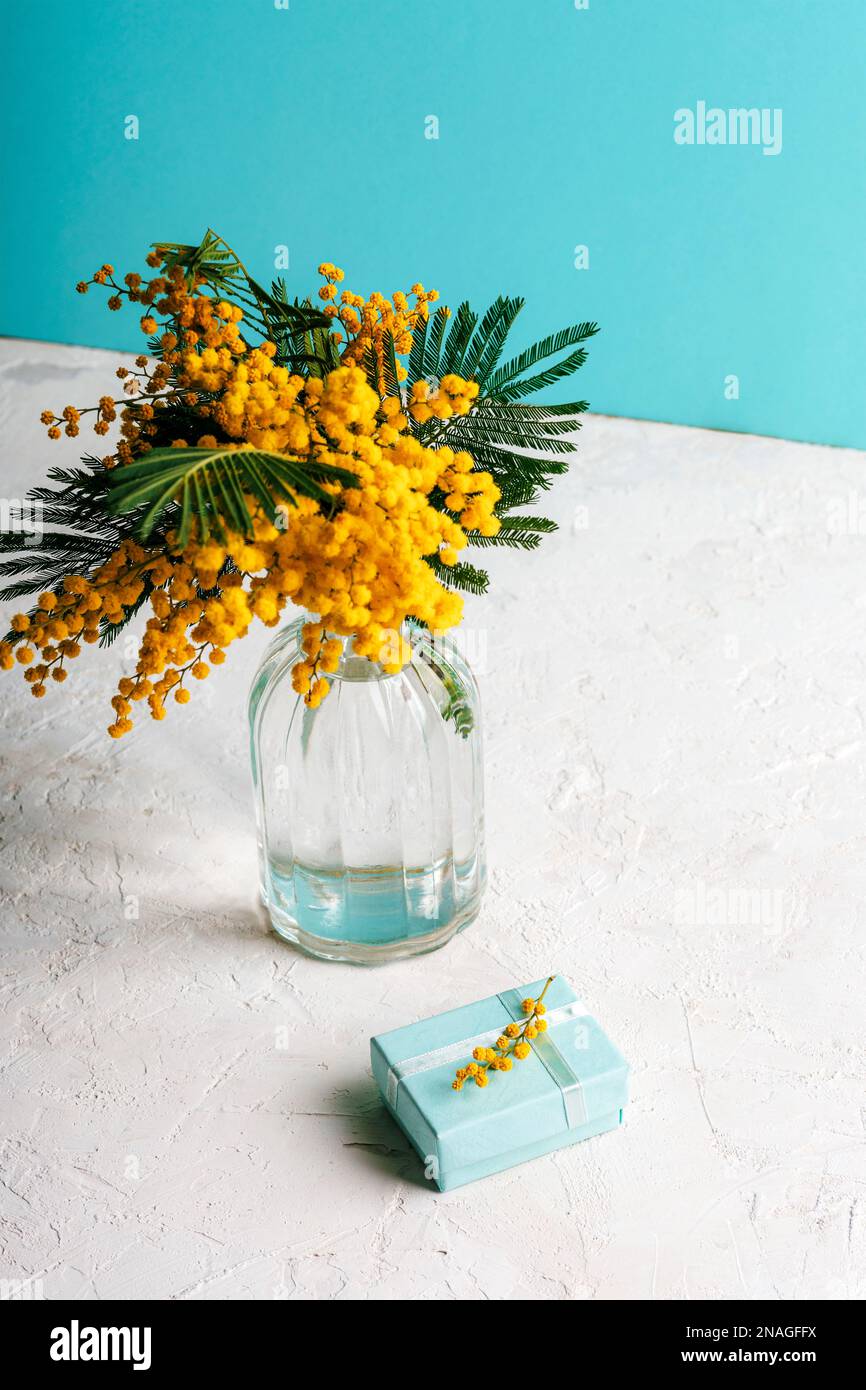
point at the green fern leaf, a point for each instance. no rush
(457, 341)
(473, 432)
(418, 351)
(436, 331)
(489, 339)
(527, 385)
(389, 366)
(463, 576)
(551, 346)
(537, 419)
(515, 492)
(519, 532)
(508, 466)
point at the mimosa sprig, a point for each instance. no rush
(513, 1042)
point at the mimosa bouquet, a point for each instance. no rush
(342, 456)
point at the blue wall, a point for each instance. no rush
(306, 127)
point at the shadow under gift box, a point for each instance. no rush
(572, 1086)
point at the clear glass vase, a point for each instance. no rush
(370, 808)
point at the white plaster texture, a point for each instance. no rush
(674, 689)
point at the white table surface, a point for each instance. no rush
(674, 692)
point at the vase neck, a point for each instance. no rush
(361, 668)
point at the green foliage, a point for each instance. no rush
(458, 708)
(302, 334)
(89, 535)
(299, 327)
(488, 342)
(461, 576)
(207, 487)
(519, 532)
(459, 712)
(523, 446)
(456, 343)
(78, 532)
(109, 632)
(509, 382)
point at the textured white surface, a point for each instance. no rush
(674, 695)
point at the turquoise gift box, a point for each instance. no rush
(572, 1086)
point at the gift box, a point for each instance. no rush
(571, 1086)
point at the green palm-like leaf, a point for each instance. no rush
(210, 487)
(520, 532)
(527, 385)
(76, 503)
(506, 382)
(213, 258)
(301, 333)
(468, 578)
(384, 370)
(491, 426)
(457, 341)
(490, 414)
(418, 351)
(516, 492)
(433, 343)
(509, 468)
(488, 340)
(523, 446)
(469, 347)
(225, 273)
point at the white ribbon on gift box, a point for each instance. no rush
(542, 1045)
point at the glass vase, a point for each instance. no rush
(370, 807)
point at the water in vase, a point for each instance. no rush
(370, 806)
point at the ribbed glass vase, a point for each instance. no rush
(370, 807)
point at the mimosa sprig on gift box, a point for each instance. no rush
(512, 1045)
(341, 456)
